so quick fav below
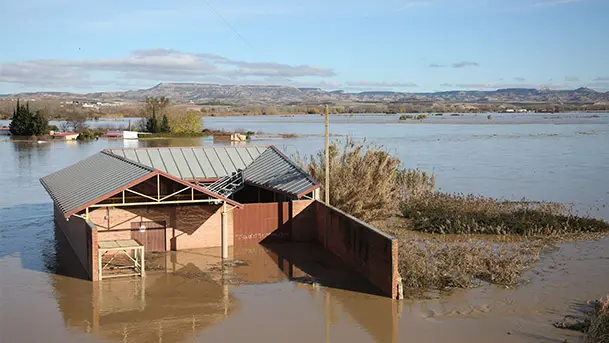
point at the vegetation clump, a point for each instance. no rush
(173, 122)
(27, 123)
(413, 117)
(366, 181)
(87, 135)
(435, 264)
(470, 214)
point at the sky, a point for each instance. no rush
(410, 46)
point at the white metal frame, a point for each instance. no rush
(121, 247)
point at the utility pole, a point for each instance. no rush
(327, 163)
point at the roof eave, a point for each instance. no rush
(109, 194)
(144, 178)
(300, 195)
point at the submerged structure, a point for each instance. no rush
(133, 201)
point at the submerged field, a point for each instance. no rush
(558, 161)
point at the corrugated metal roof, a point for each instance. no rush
(274, 171)
(88, 180)
(265, 167)
(193, 162)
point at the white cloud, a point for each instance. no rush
(152, 65)
(571, 78)
(465, 64)
(602, 78)
(462, 64)
(519, 79)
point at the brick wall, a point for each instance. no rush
(187, 227)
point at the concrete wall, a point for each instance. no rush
(367, 250)
(82, 237)
(188, 226)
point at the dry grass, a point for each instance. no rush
(598, 329)
(468, 214)
(366, 181)
(435, 264)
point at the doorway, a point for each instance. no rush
(152, 237)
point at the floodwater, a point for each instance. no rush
(273, 293)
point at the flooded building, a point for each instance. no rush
(68, 136)
(120, 205)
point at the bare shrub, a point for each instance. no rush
(365, 180)
(433, 264)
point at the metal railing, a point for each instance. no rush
(228, 185)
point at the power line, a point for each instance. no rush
(233, 29)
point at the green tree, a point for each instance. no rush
(152, 124)
(26, 123)
(165, 125)
(39, 124)
(185, 123)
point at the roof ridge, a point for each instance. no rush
(191, 147)
(127, 160)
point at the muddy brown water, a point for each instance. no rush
(278, 294)
(270, 294)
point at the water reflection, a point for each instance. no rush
(189, 291)
(166, 306)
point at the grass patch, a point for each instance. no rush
(426, 264)
(288, 135)
(468, 214)
(413, 117)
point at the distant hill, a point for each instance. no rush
(263, 94)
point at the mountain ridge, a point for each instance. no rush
(280, 94)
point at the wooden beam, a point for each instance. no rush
(155, 203)
(158, 187)
(142, 195)
(174, 193)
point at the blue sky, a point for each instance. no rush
(412, 46)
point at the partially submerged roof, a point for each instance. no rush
(90, 179)
(265, 167)
(95, 178)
